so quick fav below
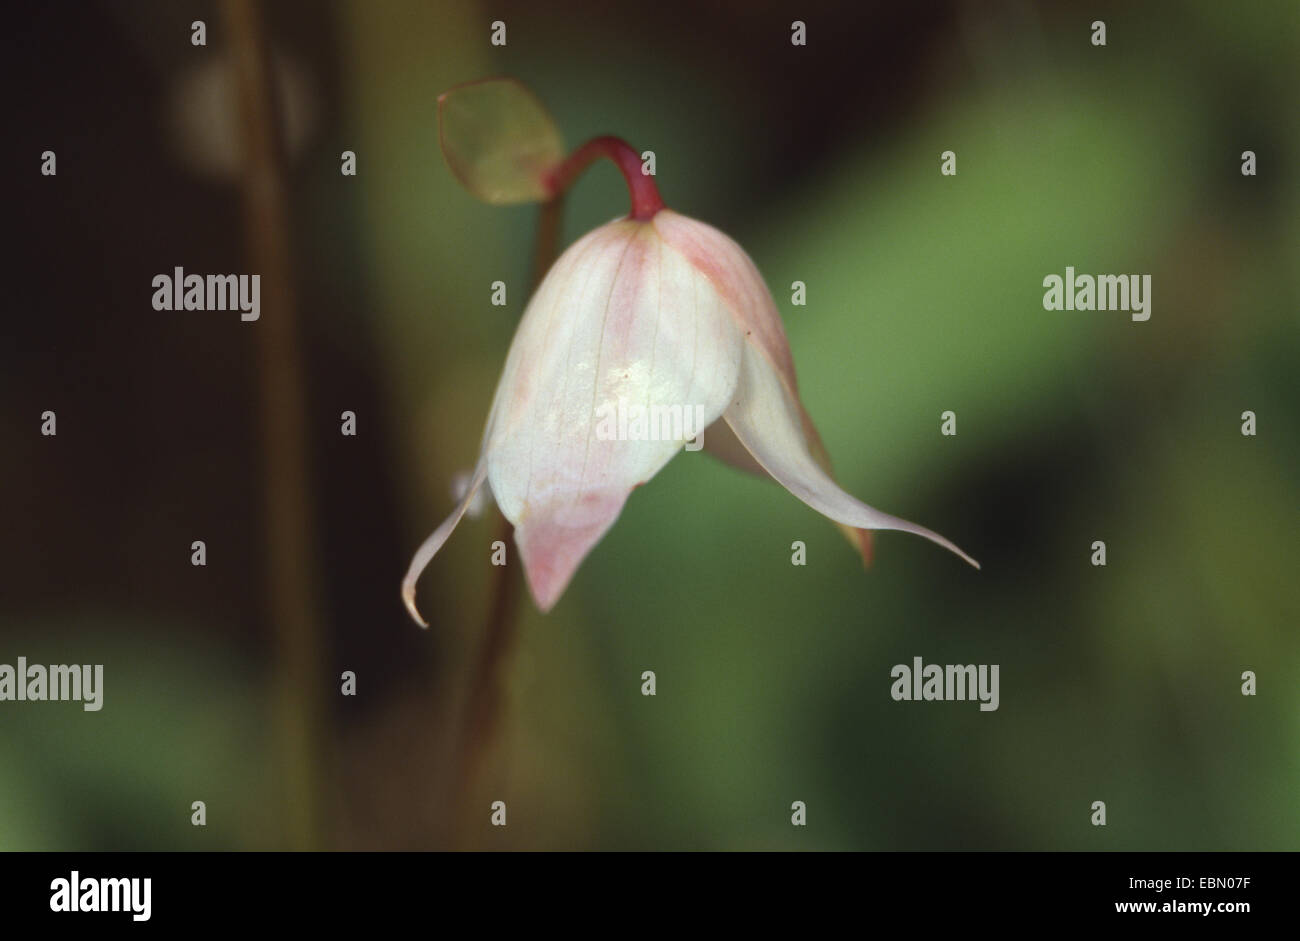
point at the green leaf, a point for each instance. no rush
(499, 140)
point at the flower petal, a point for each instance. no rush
(622, 326)
(554, 538)
(721, 442)
(768, 420)
(429, 548)
(734, 275)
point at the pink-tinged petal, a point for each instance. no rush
(430, 546)
(734, 275)
(620, 323)
(768, 420)
(553, 540)
(737, 280)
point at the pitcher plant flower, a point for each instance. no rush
(654, 309)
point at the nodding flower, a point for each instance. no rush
(658, 310)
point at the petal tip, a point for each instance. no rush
(408, 599)
(553, 541)
(948, 544)
(546, 602)
(865, 547)
(546, 583)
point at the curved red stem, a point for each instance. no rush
(641, 186)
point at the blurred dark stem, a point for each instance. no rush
(291, 584)
(483, 706)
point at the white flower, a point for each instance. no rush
(668, 312)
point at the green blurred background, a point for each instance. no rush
(1119, 684)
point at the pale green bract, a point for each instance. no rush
(499, 140)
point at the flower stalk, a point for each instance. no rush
(646, 200)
